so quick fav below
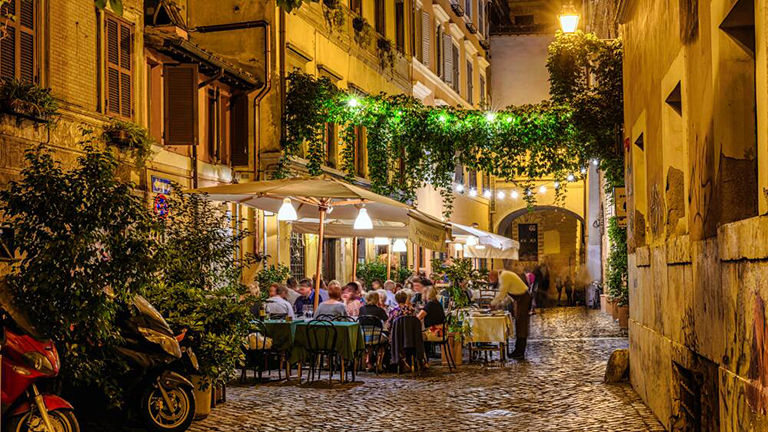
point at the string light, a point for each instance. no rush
(442, 118)
(473, 192)
(459, 188)
(542, 190)
(595, 162)
(500, 195)
(487, 194)
(583, 170)
(353, 102)
(571, 177)
(557, 185)
(490, 116)
(528, 192)
(514, 194)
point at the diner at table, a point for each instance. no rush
(334, 306)
(277, 303)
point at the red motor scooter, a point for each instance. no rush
(25, 360)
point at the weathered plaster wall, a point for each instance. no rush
(698, 262)
(518, 69)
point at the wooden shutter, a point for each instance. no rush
(239, 130)
(481, 17)
(180, 99)
(447, 59)
(17, 49)
(380, 16)
(482, 89)
(426, 34)
(118, 36)
(455, 64)
(470, 87)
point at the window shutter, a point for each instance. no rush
(448, 59)
(180, 98)
(119, 45)
(455, 64)
(239, 130)
(425, 37)
(481, 17)
(470, 86)
(17, 49)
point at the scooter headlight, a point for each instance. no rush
(39, 362)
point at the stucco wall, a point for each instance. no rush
(518, 69)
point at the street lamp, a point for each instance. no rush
(569, 18)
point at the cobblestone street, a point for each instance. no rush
(558, 388)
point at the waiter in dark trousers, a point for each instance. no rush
(511, 285)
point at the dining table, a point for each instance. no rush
(489, 328)
(291, 337)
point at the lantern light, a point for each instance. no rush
(399, 246)
(363, 221)
(287, 212)
(569, 18)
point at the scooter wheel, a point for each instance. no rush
(63, 421)
(159, 416)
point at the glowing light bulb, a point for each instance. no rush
(459, 188)
(542, 189)
(442, 118)
(490, 116)
(363, 221)
(557, 185)
(571, 177)
(487, 194)
(473, 192)
(287, 212)
(583, 170)
(500, 195)
(595, 162)
(515, 194)
(353, 102)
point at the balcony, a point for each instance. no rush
(457, 8)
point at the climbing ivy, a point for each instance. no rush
(410, 145)
(585, 73)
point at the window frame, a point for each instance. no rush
(19, 29)
(104, 38)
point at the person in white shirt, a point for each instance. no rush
(511, 285)
(277, 304)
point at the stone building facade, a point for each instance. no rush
(696, 111)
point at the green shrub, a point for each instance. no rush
(28, 99)
(616, 272)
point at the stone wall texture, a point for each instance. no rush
(698, 259)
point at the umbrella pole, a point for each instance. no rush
(354, 258)
(318, 269)
(389, 260)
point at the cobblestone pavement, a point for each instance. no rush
(558, 388)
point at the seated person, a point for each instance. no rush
(333, 306)
(372, 308)
(403, 308)
(277, 304)
(352, 300)
(433, 316)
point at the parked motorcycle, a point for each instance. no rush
(166, 398)
(26, 360)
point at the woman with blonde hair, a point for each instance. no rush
(432, 315)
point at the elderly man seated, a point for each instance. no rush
(277, 304)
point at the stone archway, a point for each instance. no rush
(559, 239)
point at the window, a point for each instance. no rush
(218, 126)
(180, 104)
(482, 24)
(360, 151)
(448, 59)
(329, 136)
(212, 132)
(455, 65)
(468, 9)
(360, 250)
(458, 174)
(470, 86)
(426, 26)
(17, 48)
(297, 256)
(472, 174)
(380, 15)
(400, 26)
(439, 66)
(356, 6)
(523, 20)
(482, 90)
(118, 35)
(238, 129)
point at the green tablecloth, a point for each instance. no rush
(292, 337)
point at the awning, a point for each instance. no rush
(489, 245)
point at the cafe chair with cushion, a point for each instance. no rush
(375, 339)
(441, 339)
(406, 343)
(321, 343)
(258, 352)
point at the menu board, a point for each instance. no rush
(528, 236)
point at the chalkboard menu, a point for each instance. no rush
(528, 236)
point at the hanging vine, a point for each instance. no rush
(410, 145)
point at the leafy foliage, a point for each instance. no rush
(574, 59)
(201, 262)
(372, 270)
(29, 99)
(131, 137)
(269, 274)
(85, 244)
(459, 271)
(616, 273)
(410, 145)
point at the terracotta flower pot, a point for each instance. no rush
(454, 341)
(202, 397)
(623, 314)
(604, 303)
(614, 309)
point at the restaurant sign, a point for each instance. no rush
(427, 234)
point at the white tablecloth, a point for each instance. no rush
(492, 328)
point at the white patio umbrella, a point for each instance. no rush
(322, 201)
(483, 244)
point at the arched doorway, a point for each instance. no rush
(547, 234)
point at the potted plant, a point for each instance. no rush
(130, 137)
(27, 100)
(385, 52)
